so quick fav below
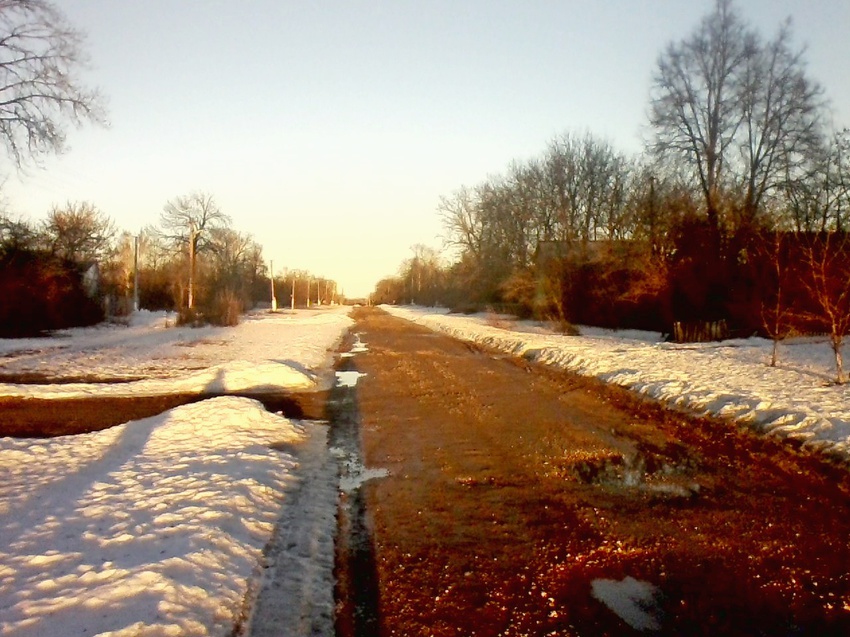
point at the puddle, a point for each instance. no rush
(357, 579)
(639, 472)
(353, 473)
(633, 601)
(358, 347)
(348, 378)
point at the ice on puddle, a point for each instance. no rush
(360, 475)
(353, 472)
(633, 601)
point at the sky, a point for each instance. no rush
(328, 130)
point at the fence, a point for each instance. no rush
(700, 331)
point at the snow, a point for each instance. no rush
(348, 378)
(247, 358)
(218, 517)
(353, 473)
(731, 379)
(162, 526)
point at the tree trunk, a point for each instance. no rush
(837, 342)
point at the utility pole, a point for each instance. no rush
(192, 234)
(308, 291)
(136, 273)
(271, 279)
(292, 298)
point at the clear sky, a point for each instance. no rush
(329, 129)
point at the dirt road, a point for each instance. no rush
(524, 501)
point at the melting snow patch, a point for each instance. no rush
(348, 378)
(632, 600)
(359, 346)
(359, 475)
(352, 472)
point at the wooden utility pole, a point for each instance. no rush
(271, 279)
(191, 263)
(136, 273)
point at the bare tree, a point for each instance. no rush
(694, 109)
(461, 222)
(229, 249)
(735, 109)
(781, 120)
(389, 290)
(573, 195)
(187, 223)
(40, 56)
(237, 259)
(776, 311)
(421, 275)
(153, 251)
(80, 232)
(826, 258)
(17, 235)
(817, 195)
(583, 183)
(563, 181)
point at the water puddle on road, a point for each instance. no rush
(633, 601)
(358, 347)
(357, 579)
(352, 471)
(640, 472)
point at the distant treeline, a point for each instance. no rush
(736, 213)
(75, 268)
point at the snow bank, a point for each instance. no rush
(155, 527)
(729, 379)
(158, 527)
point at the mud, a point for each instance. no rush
(45, 418)
(516, 491)
(356, 576)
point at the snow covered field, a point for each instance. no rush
(796, 399)
(157, 526)
(150, 357)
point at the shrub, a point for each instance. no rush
(224, 309)
(189, 316)
(41, 293)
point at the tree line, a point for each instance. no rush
(733, 220)
(75, 267)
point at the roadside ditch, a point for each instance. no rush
(356, 572)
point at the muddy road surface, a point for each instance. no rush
(526, 501)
